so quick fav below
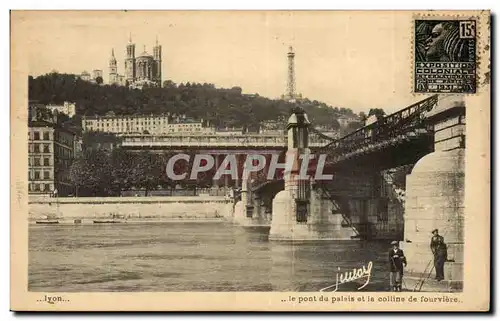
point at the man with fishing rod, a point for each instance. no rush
(440, 252)
(396, 260)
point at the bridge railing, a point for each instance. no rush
(399, 123)
(215, 141)
(200, 141)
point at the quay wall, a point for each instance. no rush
(130, 207)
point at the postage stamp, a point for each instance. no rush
(445, 56)
(238, 161)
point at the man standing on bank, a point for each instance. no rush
(396, 260)
(440, 252)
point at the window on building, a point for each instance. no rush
(46, 161)
(37, 174)
(36, 135)
(46, 148)
(46, 175)
(46, 136)
(29, 187)
(36, 148)
(47, 188)
(36, 187)
(37, 161)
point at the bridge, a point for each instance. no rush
(398, 178)
(398, 139)
(214, 141)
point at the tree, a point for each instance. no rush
(79, 174)
(335, 125)
(378, 112)
(351, 127)
(121, 172)
(145, 171)
(92, 172)
(99, 80)
(169, 84)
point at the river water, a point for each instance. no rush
(192, 256)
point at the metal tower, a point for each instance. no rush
(290, 86)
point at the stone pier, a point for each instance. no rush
(435, 200)
(249, 211)
(299, 211)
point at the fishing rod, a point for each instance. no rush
(422, 279)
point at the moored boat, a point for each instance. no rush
(47, 222)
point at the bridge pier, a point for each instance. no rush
(435, 200)
(248, 211)
(299, 211)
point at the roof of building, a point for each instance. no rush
(127, 116)
(145, 54)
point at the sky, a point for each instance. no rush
(358, 60)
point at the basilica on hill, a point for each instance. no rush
(141, 70)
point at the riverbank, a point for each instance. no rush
(427, 283)
(42, 222)
(130, 208)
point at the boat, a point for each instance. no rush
(47, 222)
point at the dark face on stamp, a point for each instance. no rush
(445, 56)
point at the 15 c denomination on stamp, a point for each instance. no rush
(445, 56)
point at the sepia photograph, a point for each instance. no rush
(322, 154)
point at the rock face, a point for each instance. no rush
(435, 197)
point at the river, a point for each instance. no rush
(213, 256)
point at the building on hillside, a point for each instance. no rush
(114, 77)
(273, 126)
(51, 150)
(140, 71)
(127, 124)
(96, 73)
(186, 125)
(229, 131)
(85, 76)
(344, 121)
(67, 108)
(145, 124)
(328, 131)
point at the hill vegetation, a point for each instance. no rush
(221, 106)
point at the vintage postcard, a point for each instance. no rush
(250, 160)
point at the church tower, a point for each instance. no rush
(113, 71)
(130, 61)
(157, 59)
